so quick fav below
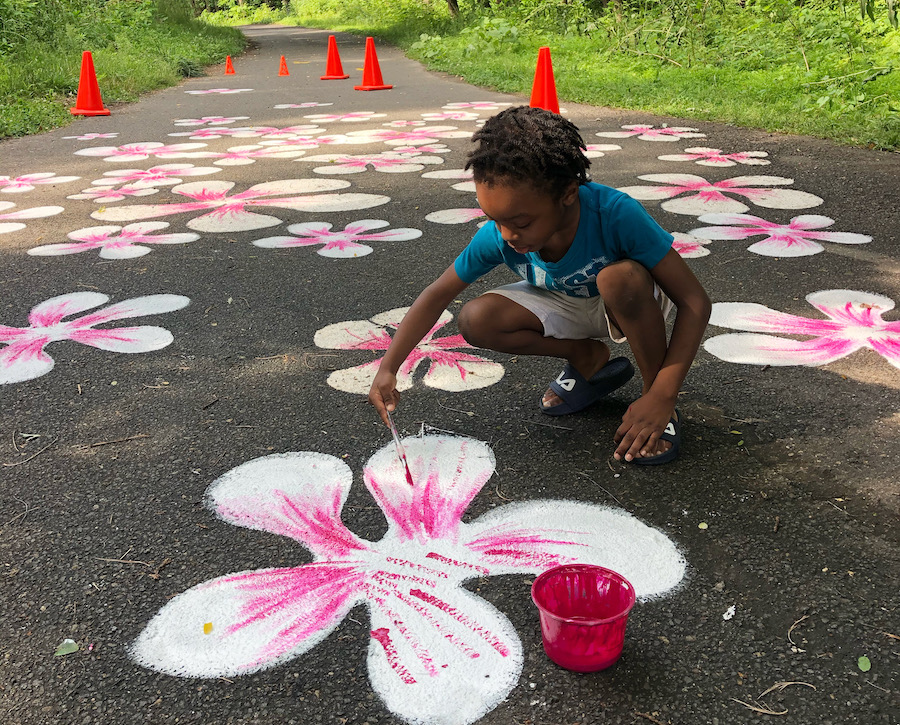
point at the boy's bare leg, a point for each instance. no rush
(495, 322)
(627, 291)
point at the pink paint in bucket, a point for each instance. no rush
(583, 611)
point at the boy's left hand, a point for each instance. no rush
(642, 425)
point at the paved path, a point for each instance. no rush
(783, 506)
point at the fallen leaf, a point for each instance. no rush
(864, 663)
(66, 647)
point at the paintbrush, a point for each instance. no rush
(401, 452)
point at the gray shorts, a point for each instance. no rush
(571, 318)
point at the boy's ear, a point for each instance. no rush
(570, 195)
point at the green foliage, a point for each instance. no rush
(801, 66)
(138, 45)
(237, 12)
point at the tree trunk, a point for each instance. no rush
(454, 7)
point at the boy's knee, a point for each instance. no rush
(624, 284)
(471, 321)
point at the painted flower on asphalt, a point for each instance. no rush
(224, 213)
(298, 132)
(343, 244)
(355, 117)
(651, 133)
(163, 175)
(387, 162)
(455, 216)
(27, 182)
(438, 654)
(139, 151)
(447, 368)
(396, 137)
(24, 358)
(597, 150)
(92, 136)
(467, 184)
(213, 132)
(115, 242)
(310, 104)
(427, 148)
(218, 91)
(250, 154)
(689, 246)
(451, 116)
(704, 197)
(799, 238)
(209, 120)
(476, 105)
(9, 220)
(715, 157)
(107, 195)
(403, 124)
(854, 322)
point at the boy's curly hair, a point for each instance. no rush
(530, 144)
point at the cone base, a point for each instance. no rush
(85, 112)
(333, 78)
(372, 88)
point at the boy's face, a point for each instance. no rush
(528, 219)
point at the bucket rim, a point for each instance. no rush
(543, 576)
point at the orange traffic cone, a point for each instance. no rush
(334, 71)
(372, 80)
(283, 69)
(88, 102)
(229, 68)
(543, 92)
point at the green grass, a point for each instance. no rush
(139, 47)
(748, 68)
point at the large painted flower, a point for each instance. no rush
(162, 175)
(27, 182)
(396, 137)
(387, 162)
(650, 133)
(451, 116)
(449, 368)
(799, 238)
(107, 195)
(476, 105)
(249, 154)
(232, 213)
(24, 358)
(140, 151)
(354, 117)
(854, 322)
(209, 120)
(467, 183)
(715, 157)
(308, 104)
(704, 197)
(218, 91)
(9, 221)
(438, 653)
(343, 244)
(115, 242)
(92, 136)
(455, 216)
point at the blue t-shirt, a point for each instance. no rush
(612, 226)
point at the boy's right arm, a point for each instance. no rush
(417, 323)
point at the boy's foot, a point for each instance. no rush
(571, 391)
(667, 446)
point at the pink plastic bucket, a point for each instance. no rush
(583, 612)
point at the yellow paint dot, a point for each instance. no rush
(703, 525)
(207, 628)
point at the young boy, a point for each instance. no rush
(593, 264)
